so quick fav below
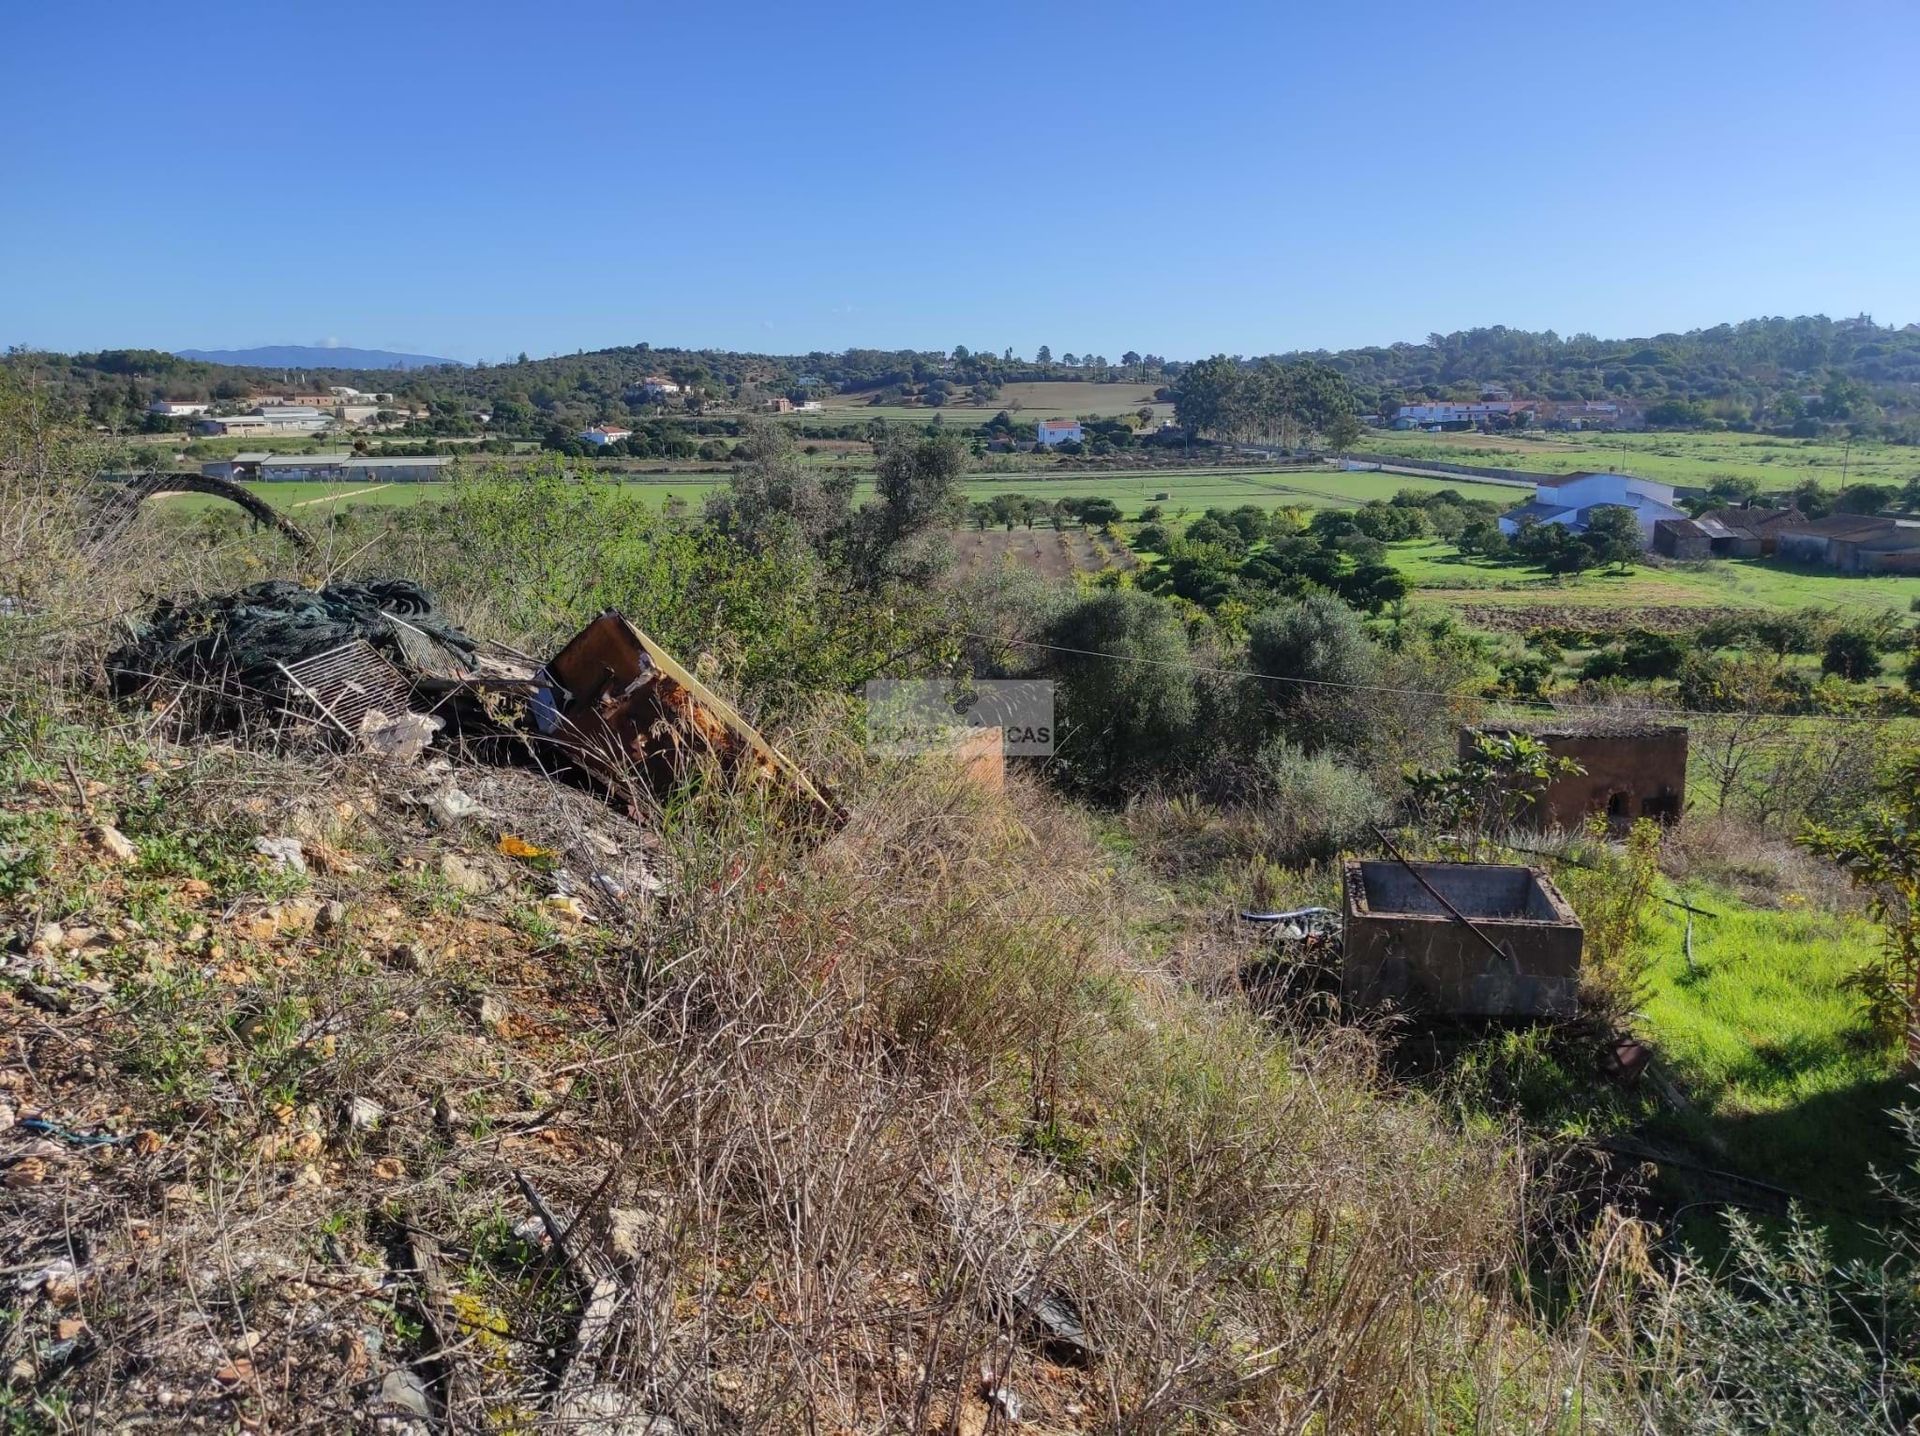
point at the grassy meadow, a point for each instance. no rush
(1783, 1082)
(1444, 575)
(1674, 458)
(1039, 400)
(1192, 491)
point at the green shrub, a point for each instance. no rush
(1317, 804)
(1316, 650)
(1124, 698)
(1852, 654)
(1782, 1339)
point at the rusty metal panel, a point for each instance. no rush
(629, 701)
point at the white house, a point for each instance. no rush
(1567, 500)
(1450, 412)
(657, 386)
(175, 408)
(267, 419)
(604, 434)
(1049, 432)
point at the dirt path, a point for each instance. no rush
(335, 498)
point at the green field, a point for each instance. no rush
(1685, 459)
(1442, 573)
(1192, 490)
(1438, 572)
(1032, 402)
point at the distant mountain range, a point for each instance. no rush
(313, 356)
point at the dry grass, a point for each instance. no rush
(863, 1092)
(833, 1111)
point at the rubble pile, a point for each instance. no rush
(374, 663)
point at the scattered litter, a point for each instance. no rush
(450, 805)
(346, 685)
(1300, 923)
(1003, 1400)
(59, 1269)
(402, 739)
(1055, 1319)
(631, 708)
(373, 663)
(566, 905)
(45, 1128)
(235, 648)
(520, 848)
(283, 853)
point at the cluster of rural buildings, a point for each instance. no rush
(341, 468)
(339, 407)
(1850, 543)
(1496, 406)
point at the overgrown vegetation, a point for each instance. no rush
(843, 1111)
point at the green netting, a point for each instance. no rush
(232, 643)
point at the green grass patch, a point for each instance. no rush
(1436, 566)
(1787, 1084)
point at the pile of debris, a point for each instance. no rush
(268, 646)
(376, 664)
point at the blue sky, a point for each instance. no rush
(483, 178)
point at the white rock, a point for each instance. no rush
(464, 876)
(115, 844)
(633, 1232)
(489, 1011)
(608, 1411)
(364, 1114)
(284, 853)
(401, 1387)
(450, 805)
